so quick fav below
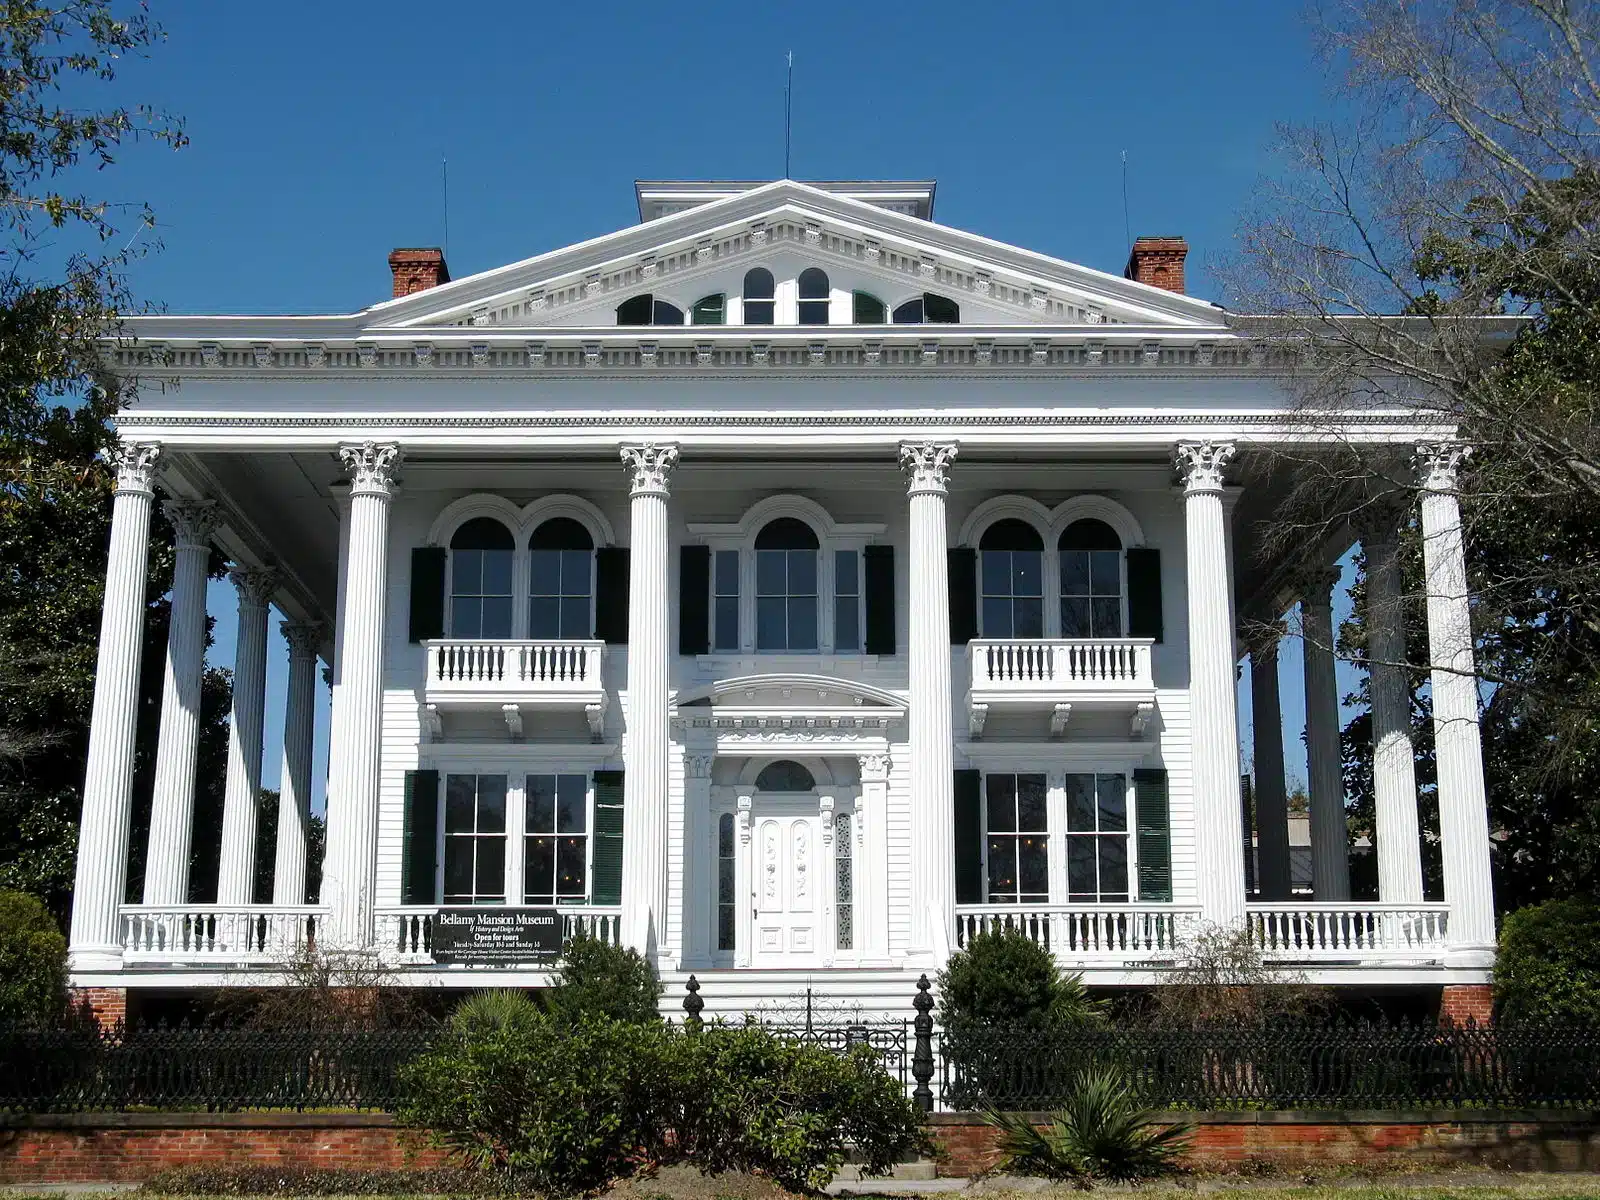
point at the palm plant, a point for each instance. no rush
(1103, 1132)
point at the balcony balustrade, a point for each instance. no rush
(1082, 933)
(405, 934)
(1056, 674)
(1350, 931)
(248, 934)
(511, 674)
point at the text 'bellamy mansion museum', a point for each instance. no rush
(788, 586)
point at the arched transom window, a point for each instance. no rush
(785, 775)
(786, 586)
(760, 305)
(481, 553)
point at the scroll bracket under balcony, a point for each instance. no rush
(1143, 715)
(1059, 716)
(513, 715)
(595, 714)
(977, 714)
(432, 722)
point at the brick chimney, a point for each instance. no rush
(417, 270)
(1157, 261)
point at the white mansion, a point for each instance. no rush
(787, 586)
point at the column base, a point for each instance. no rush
(87, 959)
(1481, 957)
(1466, 1003)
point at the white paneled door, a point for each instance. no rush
(787, 878)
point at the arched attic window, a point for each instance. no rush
(1011, 580)
(867, 309)
(647, 310)
(928, 309)
(560, 580)
(786, 586)
(480, 579)
(759, 290)
(785, 776)
(813, 296)
(1091, 580)
(710, 310)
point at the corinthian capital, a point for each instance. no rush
(256, 585)
(1439, 464)
(650, 467)
(135, 465)
(1202, 463)
(192, 522)
(371, 466)
(927, 465)
(304, 637)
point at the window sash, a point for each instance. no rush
(473, 869)
(480, 593)
(1016, 838)
(1099, 866)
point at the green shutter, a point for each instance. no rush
(1144, 592)
(694, 599)
(611, 595)
(963, 574)
(606, 877)
(969, 837)
(419, 852)
(427, 592)
(878, 579)
(1154, 834)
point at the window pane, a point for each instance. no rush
(813, 312)
(803, 623)
(1031, 807)
(496, 572)
(575, 621)
(491, 880)
(496, 617)
(541, 803)
(572, 803)
(727, 564)
(575, 572)
(1075, 617)
(845, 573)
(544, 572)
(802, 572)
(996, 572)
(996, 617)
(539, 870)
(847, 623)
(1002, 795)
(466, 571)
(1105, 569)
(770, 623)
(727, 623)
(491, 803)
(725, 841)
(1107, 617)
(1074, 573)
(725, 927)
(1113, 867)
(758, 312)
(771, 573)
(466, 617)
(1080, 868)
(1027, 619)
(460, 799)
(1033, 865)
(708, 310)
(725, 880)
(1080, 803)
(570, 868)
(1113, 791)
(544, 617)
(457, 868)
(1002, 868)
(1027, 572)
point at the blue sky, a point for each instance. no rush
(317, 133)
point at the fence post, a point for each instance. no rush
(692, 1005)
(922, 1057)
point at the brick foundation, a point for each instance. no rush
(107, 1006)
(1460, 1003)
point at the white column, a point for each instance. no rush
(1394, 763)
(927, 469)
(349, 874)
(102, 867)
(294, 779)
(1458, 747)
(1271, 793)
(242, 793)
(1214, 721)
(1330, 831)
(699, 861)
(644, 798)
(166, 865)
(872, 861)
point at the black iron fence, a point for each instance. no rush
(889, 1042)
(1355, 1067)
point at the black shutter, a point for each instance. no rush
(419, 851)
(1154, 834)
(878, 578)
(963, 571)
(611, 595)
(607, 877)
(427, 592)
(694, 599)
(969, 837)
(1144, 592)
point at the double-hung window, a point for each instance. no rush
(725, 600)
(1097, 838)
(560, 581)
(786, 586)
(846, 600)
(1017, 838)
(555, 851)
(474, 839)
(480, 580)
(1091, 580)
(1011, 580)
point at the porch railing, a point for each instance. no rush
(246, 933)
(495, 665)
(1080, 931)
(1352, 929)
(1036, 664)
(405, 934)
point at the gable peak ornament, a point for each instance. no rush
(927, 466)
(650, 466)
(371, 466)
(1202, 463)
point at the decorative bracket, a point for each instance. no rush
(1142, 716)
(977, 714)
(595, 714)
(825, 807)
(1059, 716)
(743, 820)
(513, 715)
(432, 723)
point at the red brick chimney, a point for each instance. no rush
(418, 269)
(1157, 261)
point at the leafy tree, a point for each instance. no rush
(33, 964)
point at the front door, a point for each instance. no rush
(786, 878)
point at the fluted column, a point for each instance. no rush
(1394, 762)
(644, 799)
(350, 865)
(166, 864)
(242, 795)
(1458, 745)
(1330, 831)
(102, 867)
(1214, 719)
(294, 779)
(927, 469)
(1271, 795)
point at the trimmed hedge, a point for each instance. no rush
(1548, 969)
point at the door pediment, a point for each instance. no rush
(779, 707)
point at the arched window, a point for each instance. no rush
(560, 580)
(928, 309)
(785, 776)
(786, 586)
(480, 579)
(759, 290)
(647, 310)
(813, 296)
(709, 310)
(867, 309)
(1091, 580)
(1011, 580)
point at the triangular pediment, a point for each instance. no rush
(785, 225)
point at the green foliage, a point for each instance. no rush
(1101, 1133)
(1548, 969)
(570, 1107)
(1221, 981)
(596, 979)
(33, 964)
(485, 1013)
(1002, 978)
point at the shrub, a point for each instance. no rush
(1221, 981)
(33, 964)
(489, 1011)
(596, 979)
(1101, 1133)
(1548, 969)
(1003, 978)
(570, 1107)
